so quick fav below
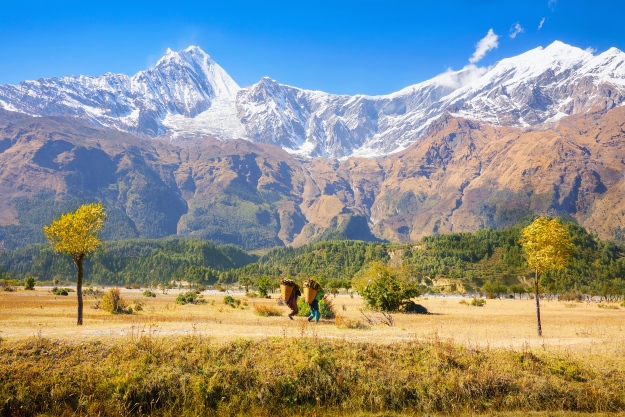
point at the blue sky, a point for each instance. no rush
(346, 47)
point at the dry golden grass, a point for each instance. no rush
(226, 360)
(501, 323)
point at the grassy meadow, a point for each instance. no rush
(215, 359)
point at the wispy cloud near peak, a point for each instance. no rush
(542, 22)
(488, 42)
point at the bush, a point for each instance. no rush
(265, 310)
(570, 296)
(494, 289)
(135, 286)
(304, 309)
(61, 291)
(148, 293)
(138, 304)
(478, 302)
(190, 297)
(263, 287)
(384, 288)
(112, 302)
(201, 288)
(349, 323)
(231, 301)
(413, 308)
(94, 292)
(29, 283)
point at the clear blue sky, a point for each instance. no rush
(340, 46)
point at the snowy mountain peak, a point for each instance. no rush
(187, 94)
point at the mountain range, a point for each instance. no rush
(181, 149)
(188, 95)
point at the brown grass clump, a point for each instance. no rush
(265, 310)
(344, 322)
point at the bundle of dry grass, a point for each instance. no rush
(286, 288)
(311, 288)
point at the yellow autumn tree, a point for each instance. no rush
(547, 245)
(76, 234)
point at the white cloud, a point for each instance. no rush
(487, 43)
(542, 22)
(515, 30)
(457, 79)
(591, 50)
(552, 4)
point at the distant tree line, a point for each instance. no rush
(489, 261)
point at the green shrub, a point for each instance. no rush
(29, 283)
(148, 293)
(304, 309)
(478, 302)
(384, 288)
(61, 291)
(190, 297)
(231, 301)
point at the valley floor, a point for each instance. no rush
(213, 359)
(577, 326)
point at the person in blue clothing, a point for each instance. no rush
(314, 307)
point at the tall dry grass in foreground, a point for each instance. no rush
(192, 375)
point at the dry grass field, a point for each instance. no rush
(578, 326)
(213, 359)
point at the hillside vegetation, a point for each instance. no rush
(469, 259)
(132, 261)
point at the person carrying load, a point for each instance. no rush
(313, 294)
(290, 291)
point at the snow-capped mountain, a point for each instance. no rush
(187, 94)
(184, 84)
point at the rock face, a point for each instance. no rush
(187, 95)
(462, 175)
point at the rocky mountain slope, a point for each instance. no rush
(187, 95)
(462, 175)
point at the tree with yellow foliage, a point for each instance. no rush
(547, 245)
(76, 234)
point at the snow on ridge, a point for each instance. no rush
(187, 94)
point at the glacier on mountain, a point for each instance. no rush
(187, 94)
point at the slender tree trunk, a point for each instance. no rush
(79, 288)
(539, 328)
